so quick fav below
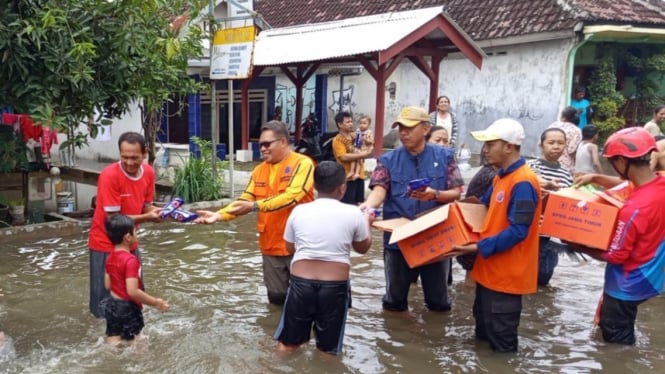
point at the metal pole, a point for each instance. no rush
(230, 147)
(341, 92)
(214, 126)
(214, 121)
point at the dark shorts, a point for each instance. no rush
(399, 276)
(355, 192)
(323, 304)
(497, 317)
(617, 320)
(97, 290)
(123, 318)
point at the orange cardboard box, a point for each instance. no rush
(581, 217)
(431, 236)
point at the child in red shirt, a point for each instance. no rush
(123, 310)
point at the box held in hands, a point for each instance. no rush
(430, 237)
(581, 217)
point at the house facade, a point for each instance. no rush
(536, 52)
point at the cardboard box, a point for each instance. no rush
(581, 217)
(430, 237)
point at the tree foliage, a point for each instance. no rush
(607, 99)
(73, 62)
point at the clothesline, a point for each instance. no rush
(33, 134)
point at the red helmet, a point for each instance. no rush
(632, 142)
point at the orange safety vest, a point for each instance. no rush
(514, 271)
(270, 225)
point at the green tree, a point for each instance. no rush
(607, 100)
(63, 61)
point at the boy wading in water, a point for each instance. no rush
(123, 310)
(321, 235)
(636, 256)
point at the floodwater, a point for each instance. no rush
(220, 321)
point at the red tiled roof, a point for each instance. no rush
(623, 11)
(481, 19)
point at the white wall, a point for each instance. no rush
(107, 149)
(527, 83)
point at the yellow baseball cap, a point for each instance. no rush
(411, 116)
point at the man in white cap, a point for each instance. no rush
(415, 159)
(507, 263)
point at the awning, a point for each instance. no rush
(362, 35)
(624, 33)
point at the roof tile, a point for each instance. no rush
(481, 19)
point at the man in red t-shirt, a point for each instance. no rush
(126, 187)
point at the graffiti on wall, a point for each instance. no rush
(474, 107)
(342, 100)
(471, 107)
(285, 97)
(393, 107)
(523, 111)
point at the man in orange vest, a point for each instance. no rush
(507, 263)
(283, 180)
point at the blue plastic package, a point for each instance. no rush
(417, 185)
(171, 207)
(182, 215)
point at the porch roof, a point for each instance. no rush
(624, 33)
(380, 33)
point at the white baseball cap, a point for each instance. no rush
(505, 129)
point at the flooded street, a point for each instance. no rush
(220, 321)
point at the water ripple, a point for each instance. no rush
(220, 322)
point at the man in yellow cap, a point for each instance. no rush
(415, 159)
(507, 263)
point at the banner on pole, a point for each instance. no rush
(232, 51)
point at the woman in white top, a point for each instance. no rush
(653, 126)
(586, 157)
(443, 117)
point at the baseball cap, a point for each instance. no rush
(505, 129)
(411, 116)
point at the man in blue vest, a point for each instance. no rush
(415, 159)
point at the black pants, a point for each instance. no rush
(497, 317)
(617, 320)
(399, 277)
(355, 192)
(548, 259)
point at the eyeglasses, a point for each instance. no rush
(268, 143)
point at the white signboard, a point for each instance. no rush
(241, 8)
(232, 51)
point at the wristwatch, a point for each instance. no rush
(436, 194)
(255, 207)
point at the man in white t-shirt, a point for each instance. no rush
(321, 235)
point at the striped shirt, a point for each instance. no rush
(550, 171)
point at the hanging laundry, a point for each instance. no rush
(9, 119)
(29, 129)
(48, 138)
